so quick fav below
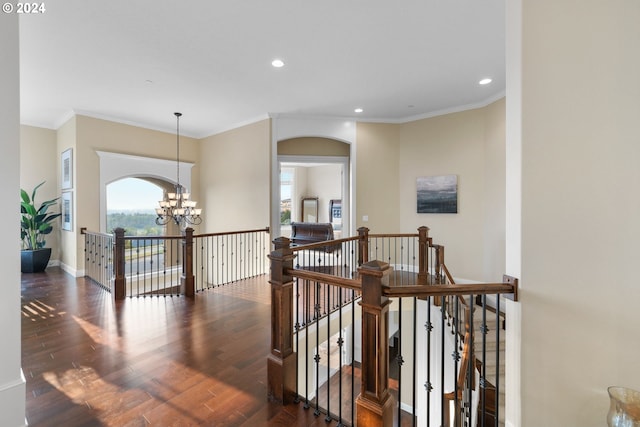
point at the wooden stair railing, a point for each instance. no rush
(468, 359)
(466, 377)
(374, 405)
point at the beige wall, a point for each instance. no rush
(311, 146)
(494, 200)
(86, 135)
(468, 144)
(100, 135)
(580, 208)
(447, 145)
(235, 178)
(38, 147)
(66, 138)
(324, 182)
(377, 180)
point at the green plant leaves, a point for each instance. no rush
(35, 222)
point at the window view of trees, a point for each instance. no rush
(286, 184)
(135, 224)
(130, 205)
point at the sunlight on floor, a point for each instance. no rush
(38, 310)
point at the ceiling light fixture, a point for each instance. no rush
(485, 81)
(358, 110)
(176, 206)
(277, 63)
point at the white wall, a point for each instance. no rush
(580, 208)
(12, 384)
(324, 182)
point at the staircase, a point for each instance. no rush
(492, 370)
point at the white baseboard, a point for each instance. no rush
(72, 271)
(12, 403)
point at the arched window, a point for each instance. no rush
(131, 204)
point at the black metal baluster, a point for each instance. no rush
(340, 344)
(353, 359)
(328, 416)
(306, 368)
(415, 361)
(456, 359)
(497, 411)
(296, 305)
(471, 367)
(219, 260)
(399, 360)
(428, 386)
(442, 367)
(317, 356)
(151, 274)
(483, 376)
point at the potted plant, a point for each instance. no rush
(35, 224)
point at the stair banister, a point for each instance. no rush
(187, 280)
(119, 262)
(374, 405)
(281, 363)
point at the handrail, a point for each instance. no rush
(375, 282)
(343, 282)
(372, 235)
(227, 233)
(420, 291)
(322, 244)
(448, 290)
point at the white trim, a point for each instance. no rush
(346, 184)
(287, 127)
(115, 166)
(12, 400)
(70, 270)
(457, 109)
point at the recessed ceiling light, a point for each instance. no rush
(358, 110)
(485, 81)
(277, 63)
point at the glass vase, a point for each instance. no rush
(624, 410)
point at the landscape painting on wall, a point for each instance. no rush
(438, 194)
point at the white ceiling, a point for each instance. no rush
(139, 61)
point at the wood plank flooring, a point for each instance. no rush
(154, 361)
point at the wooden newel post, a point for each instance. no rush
(187, 280)
(423, 255)
(118, 265)
(281, 363)
(374, 405)
(363, 245)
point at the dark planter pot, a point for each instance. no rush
(35, 261)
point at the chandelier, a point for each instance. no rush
(176, 206)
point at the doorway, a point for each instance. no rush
(319, 179)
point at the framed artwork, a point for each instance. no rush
(437, 194)
(67, 210)
(66, 167)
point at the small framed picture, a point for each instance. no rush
(67, 210)
(437, 194)
(66, 168)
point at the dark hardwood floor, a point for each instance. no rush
(160, 361)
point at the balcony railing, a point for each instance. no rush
(131, 266)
